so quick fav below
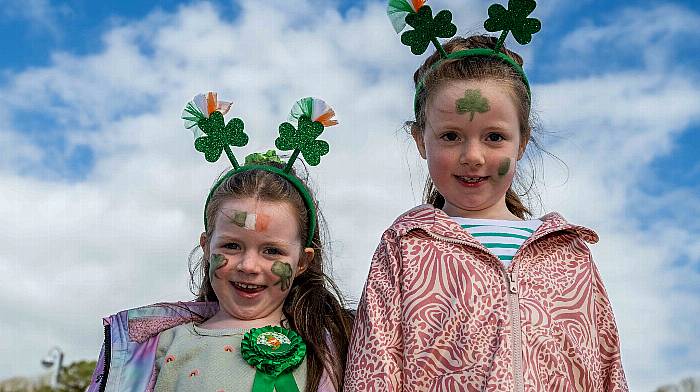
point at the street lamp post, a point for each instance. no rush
(54, 357)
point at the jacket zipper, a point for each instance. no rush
(515, 324)
(514, 304)
(107, 358)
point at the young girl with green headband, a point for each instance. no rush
(469, 292)
(266, 316)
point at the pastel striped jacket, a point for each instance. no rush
(439, 312)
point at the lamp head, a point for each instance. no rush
(47, 362)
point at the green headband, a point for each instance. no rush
(477, 52)
(427, 29)
(213, 137)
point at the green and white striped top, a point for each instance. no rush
(502, 237)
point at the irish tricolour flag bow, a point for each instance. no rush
(201, 107)
(398, 9)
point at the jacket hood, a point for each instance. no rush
(140, 324)
(435, 221)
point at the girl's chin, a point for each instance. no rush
(238, 316)
(476, 212)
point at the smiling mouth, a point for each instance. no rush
(248, 288)
(471, 180)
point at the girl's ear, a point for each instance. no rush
(203, 244)
(523, 145)
(305, 260)
(417, 134)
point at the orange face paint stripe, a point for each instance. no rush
(262, 222)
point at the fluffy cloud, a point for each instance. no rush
(74, 251)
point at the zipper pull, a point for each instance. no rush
(512, 284)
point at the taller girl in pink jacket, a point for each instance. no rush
(464, 293)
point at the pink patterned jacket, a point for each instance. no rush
(439, 312)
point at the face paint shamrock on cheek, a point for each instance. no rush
(504, 167)
(216, 261)
(284, 271)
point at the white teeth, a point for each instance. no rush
(471, 179)
(247, 286)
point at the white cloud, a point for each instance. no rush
(73, 253)
(41, 14)
(653, 36)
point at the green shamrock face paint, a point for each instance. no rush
(504, 167)
(284, 271)
(472, 102)
(216, 261)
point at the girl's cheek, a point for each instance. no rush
(218, 264)
(504, 167)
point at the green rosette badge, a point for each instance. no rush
(274, 352)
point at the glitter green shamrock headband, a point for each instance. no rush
(204, 115)
(427, 29)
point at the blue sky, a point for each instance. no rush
(93, 91)
(75, 27)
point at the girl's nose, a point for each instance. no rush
(472, 155)
(248, 264)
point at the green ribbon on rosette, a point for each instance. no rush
(275, 352)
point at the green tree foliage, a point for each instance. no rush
(72, 378)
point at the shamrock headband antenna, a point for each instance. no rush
(205, 116)
(427, 29)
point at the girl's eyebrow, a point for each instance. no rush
(449, 111)
(281, 243)
(222, 237)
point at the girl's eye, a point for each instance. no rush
(495, 137)
(231, 245)
(449, 136)
(272, 251)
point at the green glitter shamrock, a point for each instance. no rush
(303, 140)
(284, 271)
(428, 29)
(258, 158)
(219, 137)
(472, 103)
(513, 19)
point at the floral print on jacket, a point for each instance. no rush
(439, 312)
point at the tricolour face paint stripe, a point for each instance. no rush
(262, 222)
(244, 219)
(239, 218)
(250, 221)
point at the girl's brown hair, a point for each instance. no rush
(314, 306)
(435, 72)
